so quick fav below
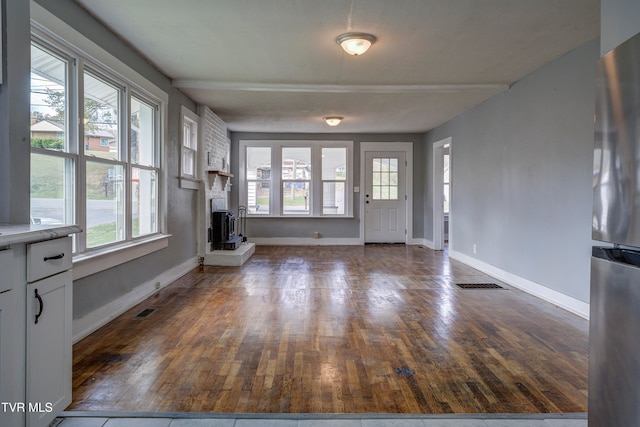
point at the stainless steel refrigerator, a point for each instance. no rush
(614, 330)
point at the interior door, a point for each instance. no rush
(385, 197)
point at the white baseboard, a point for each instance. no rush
(428, 244)
(306, 241)
(103, 315)
(559, 299)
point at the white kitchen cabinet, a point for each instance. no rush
(11, 387)
(49, 320)
(35, 358)
(49, 358)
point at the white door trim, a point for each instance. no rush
(407, 148)
(438, 192)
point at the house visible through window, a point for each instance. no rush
(296, 178)
(101, 178)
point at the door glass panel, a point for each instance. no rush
(385, 178)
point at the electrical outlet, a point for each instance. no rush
(475, 249)
(157, 285)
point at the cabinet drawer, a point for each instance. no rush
(6, 270)
(48, 258)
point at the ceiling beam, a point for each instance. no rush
(322, 88)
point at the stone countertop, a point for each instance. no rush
(23, 233)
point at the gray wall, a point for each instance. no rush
(618, 22)
(94, 291)
(14, 114)
(521, 175)
(333, 227)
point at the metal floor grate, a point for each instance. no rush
(479, 286)
(145, 313)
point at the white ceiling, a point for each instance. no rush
(274, 65)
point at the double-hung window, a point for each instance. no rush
(95, 149)
(296, 178)
(189, 144)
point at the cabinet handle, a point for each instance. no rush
(41, 303)
(47, 258)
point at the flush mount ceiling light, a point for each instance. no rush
(333, 120)
(355, 43)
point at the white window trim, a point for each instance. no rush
(49, 27)
(190, 182)
(275, 202)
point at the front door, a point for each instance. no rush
(385, 197)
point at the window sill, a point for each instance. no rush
(189, 183)
(95, 262)
(302, 216)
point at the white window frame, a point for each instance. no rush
(50, 32)
(275, 197)
(192, 120)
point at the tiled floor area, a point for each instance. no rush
(76, 419)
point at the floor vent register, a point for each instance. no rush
(478, 286)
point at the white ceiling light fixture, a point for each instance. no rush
(333, 120)
(355, 43)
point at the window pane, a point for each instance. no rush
(258, 197)
(258, 180)
(105, 203)
(142, 133)
(188, 161)
(385, 179)
(446, 168)
(48, 100)
(334, 163)
(333, 197)
(51, 190)
(296, 163)
(144, 199)
(258, 163)
(101, 118)
(376, 193)
(446, 198)
(295, 198)
(190, 134)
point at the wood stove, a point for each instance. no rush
(222, 233)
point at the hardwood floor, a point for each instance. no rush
(365, 329)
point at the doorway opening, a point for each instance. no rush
(441, 180)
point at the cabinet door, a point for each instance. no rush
(9, 379)
(49, 360)
(7, 268)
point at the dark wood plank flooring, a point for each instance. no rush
(371, 329)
